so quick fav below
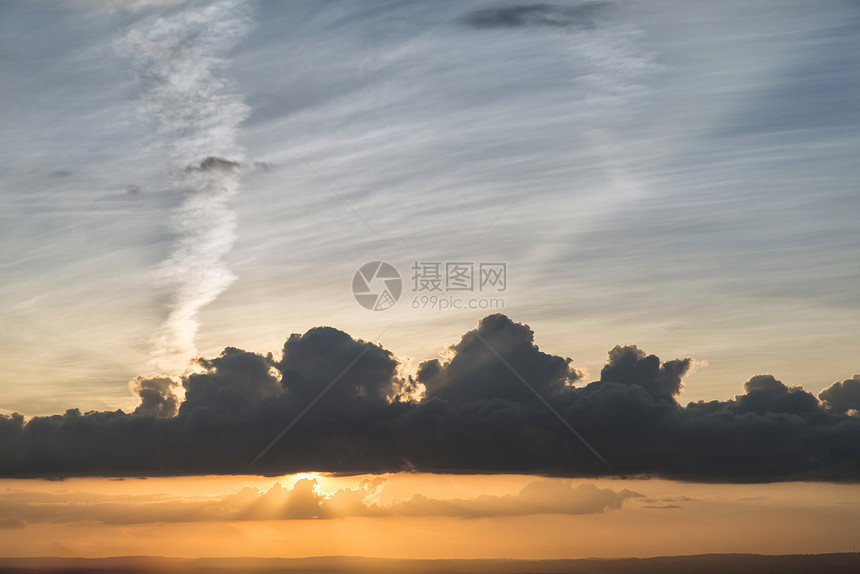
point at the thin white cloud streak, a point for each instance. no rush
(178, 56)
(616, 68)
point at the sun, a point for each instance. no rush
(320, 479)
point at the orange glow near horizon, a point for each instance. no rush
(663, 518)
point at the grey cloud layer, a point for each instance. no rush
(474, 415)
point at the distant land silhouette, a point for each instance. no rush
(848, 563)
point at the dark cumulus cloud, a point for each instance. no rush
(844, 396)
(583, 16)
(468, 413)
(214, 163)
(158, 396)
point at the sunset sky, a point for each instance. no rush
(191, 192)
(188, 517)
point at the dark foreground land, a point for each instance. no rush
(703, 564)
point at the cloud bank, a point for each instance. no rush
(471, 413)
(305, 500)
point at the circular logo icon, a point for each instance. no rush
(377, 286)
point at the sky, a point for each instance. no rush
(642, 215)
